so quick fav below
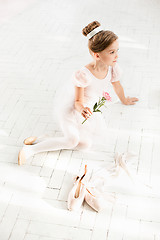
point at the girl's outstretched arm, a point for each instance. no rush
(120, 93)
(79, 103)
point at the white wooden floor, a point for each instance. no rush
(40, 46)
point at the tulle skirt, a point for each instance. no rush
(93, 128)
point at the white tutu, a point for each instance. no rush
(64, 108)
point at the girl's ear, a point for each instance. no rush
(96, 56)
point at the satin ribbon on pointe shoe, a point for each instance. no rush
(77, 193)
(121, 162)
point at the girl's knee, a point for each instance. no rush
(73, 141)
(85, 144)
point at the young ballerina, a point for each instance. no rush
(88, 83)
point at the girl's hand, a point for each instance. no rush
(86, 112)
(130, 101)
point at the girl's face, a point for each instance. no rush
(109, 55)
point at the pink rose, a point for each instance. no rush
(100, 103)
(106, 96)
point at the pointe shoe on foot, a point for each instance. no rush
(30, 140)
(77, 194)
(21, 158)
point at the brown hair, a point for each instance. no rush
(101, 40)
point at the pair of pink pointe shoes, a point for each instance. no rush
(81, 192)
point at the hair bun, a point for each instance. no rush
(91, 26)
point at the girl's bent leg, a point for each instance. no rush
(69, 141)
(53, 144)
